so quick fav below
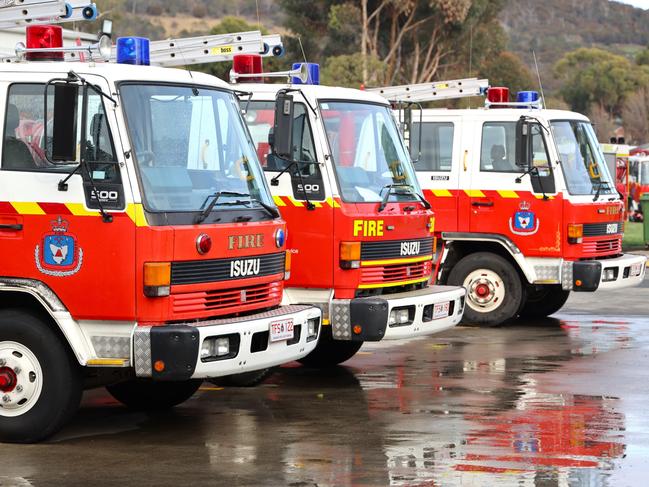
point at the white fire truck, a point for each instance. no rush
(524, 201)
(136, 255)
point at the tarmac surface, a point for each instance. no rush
(561, 402)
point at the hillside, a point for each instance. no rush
(553, 27)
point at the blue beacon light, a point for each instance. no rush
(527, 97)
(133, 50)
(314, 74)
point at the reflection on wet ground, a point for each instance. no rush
(554, 403)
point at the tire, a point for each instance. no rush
(149, 395)
(329, 352)
(245, 379)
(495, 292)
(42, 383)
(543, 301)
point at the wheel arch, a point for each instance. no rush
(459, 245)
(37, 298)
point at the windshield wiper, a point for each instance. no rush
(206, 210)
(270, 209)
(599, 189)
(390, 187)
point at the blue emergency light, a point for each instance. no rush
(133, 50)
(527, 97)
(314, 74)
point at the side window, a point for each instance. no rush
(27, 134)
(540, 157)
(498, 151)
(436, 145)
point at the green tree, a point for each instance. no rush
(507, 69)
(346, 70)
(594, 76)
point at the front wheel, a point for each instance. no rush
(329, 352)
(494, 291)
(543, 301)
(146, 394)
(40, 381)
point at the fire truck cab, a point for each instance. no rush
(360, 232)
(137, 255)
(526, 206)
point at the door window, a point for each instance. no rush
(436, 145)
(498, 152)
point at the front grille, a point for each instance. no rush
(228, 301)
(395, 273)
(200, 271)
(392, 249)
(603, 229)
(609, 246)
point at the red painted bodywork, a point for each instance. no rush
(456, 213)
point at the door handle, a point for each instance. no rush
(11, 226)
(482, 203)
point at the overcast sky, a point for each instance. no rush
(638, 3)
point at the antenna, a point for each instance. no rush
(538, 75)
(299, 39)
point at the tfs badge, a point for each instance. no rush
(59, 255)
(524, 221)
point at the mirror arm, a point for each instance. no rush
(296, 90)
(275, 180)
(63, 183)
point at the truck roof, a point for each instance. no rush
(263, 91)
(483, 113)
(115, 72)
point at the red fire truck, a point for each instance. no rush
(136, 254)
(360, 231)
(523, 200)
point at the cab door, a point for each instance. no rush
(439, 165)
(50, 228)
(301, 192)
(504, 199)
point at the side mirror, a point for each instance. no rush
(64, 122)
(282, 140)
(522, 143)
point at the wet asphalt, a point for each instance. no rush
(559, 402)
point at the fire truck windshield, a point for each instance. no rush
(190, 143)
(582, 161)
(367, 152)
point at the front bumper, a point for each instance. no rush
(592, 275)
(179, 346)
(367, 319)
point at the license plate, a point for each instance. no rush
(636, 269)
(612, 228)
(441, 310)
(281, 330)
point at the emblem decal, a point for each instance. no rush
(525, 221)
(59, 255)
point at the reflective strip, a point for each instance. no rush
(105, 362)
(392, 284)
(27, 208)
(540, 197)
(474, 193)
(279, 201)
(294, 202)
(135, 212)
(405, 260)
(508, 194)
(78, 209)
(441, 193)
(333, 202)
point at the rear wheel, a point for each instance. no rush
(146, 394)
(494, 289)
(40, 382)
(543, 301)
(329, 352)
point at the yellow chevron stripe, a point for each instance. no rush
(27, 208)
(279, 201)
(507, 194)
(442, 193)
(540, 197)
(333, 203)
(135, 212)
(77, 209)
(474, 193)
(293, 201)
(405, 260)
(392, 284)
